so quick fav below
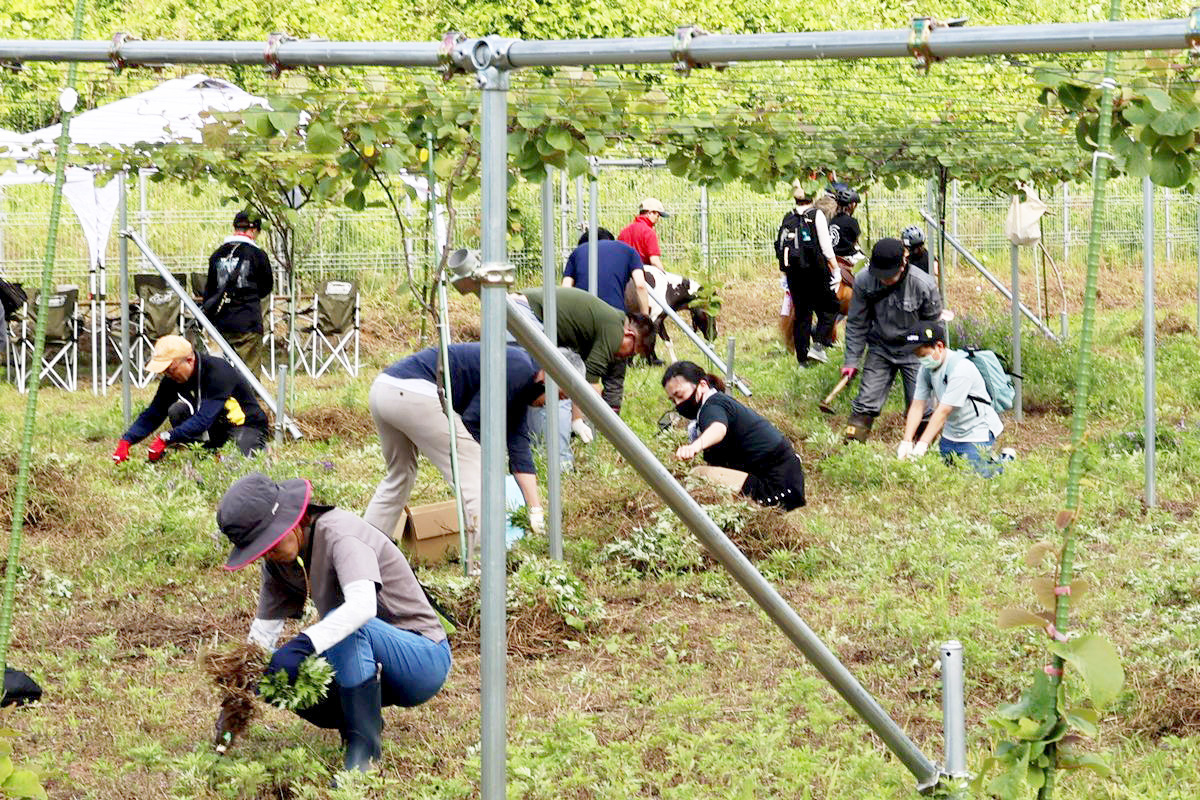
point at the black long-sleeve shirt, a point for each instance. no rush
(241, 309)
(214, 383)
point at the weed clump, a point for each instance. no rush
(236, 672)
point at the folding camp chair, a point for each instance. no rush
(159, 313)
(60, 359)
(334, 329)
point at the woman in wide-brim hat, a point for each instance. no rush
(376, 629)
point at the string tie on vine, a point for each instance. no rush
(1052, 671)
(1062, 591)
(1055, 634)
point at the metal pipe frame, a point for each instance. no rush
(123, 299)
(954, 734)
(1149, 332)
(635, 452)
(593, 251)
(209, 328)
(1015, 304)
(694, 50)
(493, 434)
(974, 262)
(698, 340)
(553, 457)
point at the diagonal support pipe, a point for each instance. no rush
(1000, 287)
(721, 548)
(263, 395)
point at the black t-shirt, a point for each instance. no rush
(919, 260)
(241, 310)
(844, 231)
(749, 441)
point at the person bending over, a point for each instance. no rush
(743, 450)
(962, 409)
(377, 629)
(207, 401)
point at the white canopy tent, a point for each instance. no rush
(173, 111)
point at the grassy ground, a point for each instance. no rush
(676, 687)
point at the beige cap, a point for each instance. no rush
(166, 351)
(653, 204)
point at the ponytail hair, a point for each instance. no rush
(692, 373)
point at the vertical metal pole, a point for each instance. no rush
(930, 206)
(953, 719)
(579, 202)
(493, 647)
(1169, 251)
(593, 224)
(1018, 409)
(564, 218)
(1066, 223)
(123, 300)
(143, 212)
(1149, 332)
(553, 458)
(704, 252)
(1198, 266)
(730, 350)
(280, 403)
(953, 220)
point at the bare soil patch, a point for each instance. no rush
(329, 422)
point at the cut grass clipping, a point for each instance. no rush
(237, 672)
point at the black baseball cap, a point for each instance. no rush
(926, 333)
(243, 220)
(887, 257)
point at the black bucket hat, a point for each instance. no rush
(256, 513)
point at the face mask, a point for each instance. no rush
(690, 408)
(930, 362)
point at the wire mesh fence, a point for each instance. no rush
(723, 233)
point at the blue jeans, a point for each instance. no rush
(977, 454)
(414, 668)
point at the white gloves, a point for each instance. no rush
(835, 280)
(537, 520)
(904, 450)
(582, 430)
(919, 449)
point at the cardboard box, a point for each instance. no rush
(428, 534)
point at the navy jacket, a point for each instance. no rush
(209, 391)
(465, 384)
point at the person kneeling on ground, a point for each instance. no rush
(962, 412)
(744, 451)
(206, 399)
(377, 629)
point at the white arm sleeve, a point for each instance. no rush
(823, 236)
(265, 632)
(359, 608)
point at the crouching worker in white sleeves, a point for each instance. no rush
(377, 629)
(962, 409)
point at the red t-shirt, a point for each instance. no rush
(640, 235)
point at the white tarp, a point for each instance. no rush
(1023, 224)
(175, 110)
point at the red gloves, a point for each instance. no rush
(849, 372)
(157, 448)
(121, 453)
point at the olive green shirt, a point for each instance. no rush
(586, 324)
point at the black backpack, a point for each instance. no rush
(796, 243)
(12, 297)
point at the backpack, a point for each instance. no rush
(12, 297)
(997, 379)
(796, 243)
